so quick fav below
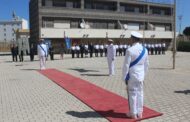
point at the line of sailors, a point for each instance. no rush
(98, 50)
(82, 50)
(155, 49)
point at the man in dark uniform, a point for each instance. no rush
(81, 50)
(120, 49)
(14, 51)
(105, 49)
(32, 53)
(21, 55)
(91, 48)
(152, 49)
(51, 53)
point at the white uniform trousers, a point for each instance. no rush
(111, 67)
(42, 62)
(135, 97)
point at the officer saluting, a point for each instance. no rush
(42, 53)
(134, 69)
(111, 51)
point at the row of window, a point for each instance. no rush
(11, 24)
(13, 34)
(6, 29)
(110, 6)
(6, 39)
(95, 24)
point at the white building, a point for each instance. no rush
(8, 29)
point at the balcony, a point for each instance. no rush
(99, 14)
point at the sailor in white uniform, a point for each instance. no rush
(136, 53)
(163, 48)
(111, 52)
(42, 53)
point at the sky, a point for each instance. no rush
(21, 8)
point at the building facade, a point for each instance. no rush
(22, 40)
(97, 20)
(8, 29)
(8, 32)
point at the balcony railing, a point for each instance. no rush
(94, 14)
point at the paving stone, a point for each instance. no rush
(26, 95)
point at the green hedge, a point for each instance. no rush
(183, 46)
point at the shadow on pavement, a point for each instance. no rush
(94, 74)
(29, 69)
(8, 61)
(83, 70)
(183, 92)
(157, 68)
(93, 114)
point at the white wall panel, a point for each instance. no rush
(100, 33)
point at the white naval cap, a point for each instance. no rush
(110, 40)
(136, 34)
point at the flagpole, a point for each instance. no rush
(174, 38)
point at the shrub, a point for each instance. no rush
(184, 46)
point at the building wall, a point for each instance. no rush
(55, 19)
(7, 30)
(24, 24)
(101, 33)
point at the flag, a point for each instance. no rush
(68, 43)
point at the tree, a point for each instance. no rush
(186, 31)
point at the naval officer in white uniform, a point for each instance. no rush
(137, 73)
(42, 53)
(111, 51)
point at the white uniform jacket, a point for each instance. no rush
(111, 52)
(136, 72)
(42, 52)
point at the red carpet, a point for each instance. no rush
(109, 105)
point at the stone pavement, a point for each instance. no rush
(27, 96)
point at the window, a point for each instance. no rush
(129, 8)
(67, 3)
(88, 5)
(48, 23)
(43, 2)
(4, 34)
(74, 24)
(98, 24)
(111, 25)
(99, 5)
(168, 12)
(4, 29)
(168, 28)
(156, 11)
